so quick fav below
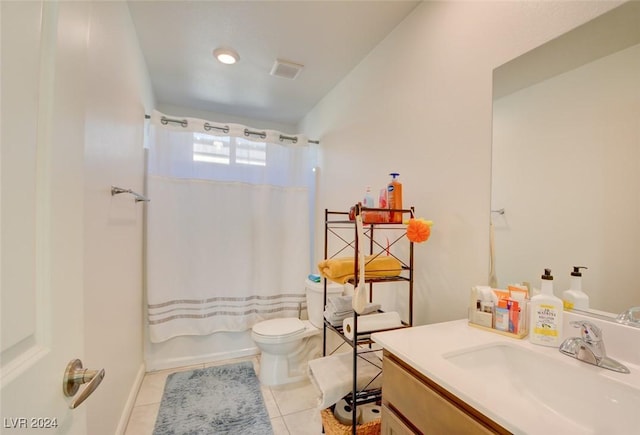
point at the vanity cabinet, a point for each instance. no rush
(392, 424)
(414, 404)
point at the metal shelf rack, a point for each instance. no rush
(341, 239)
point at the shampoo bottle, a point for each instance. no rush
(575, 297)
(368, 199)
(394, 197)
(546, 315)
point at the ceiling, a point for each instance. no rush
(328, 37)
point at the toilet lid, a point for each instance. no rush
(279, 327)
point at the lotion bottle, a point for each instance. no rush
(394, 197)
(546, 315)
(575, 297)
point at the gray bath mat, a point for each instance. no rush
(215, 400)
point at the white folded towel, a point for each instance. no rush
(369, 308)
(336, 318)
(338, 304)
(332, 376)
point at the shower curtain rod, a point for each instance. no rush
(184, 123)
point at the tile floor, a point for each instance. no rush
(292, 408)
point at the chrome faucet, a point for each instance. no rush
(631, 317)
(590, 347)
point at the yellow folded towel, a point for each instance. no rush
(340, 270)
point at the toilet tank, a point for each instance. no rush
(315, 299)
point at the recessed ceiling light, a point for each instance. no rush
(226, 55)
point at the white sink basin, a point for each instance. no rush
(580, 395)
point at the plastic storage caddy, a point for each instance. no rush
(481, 319)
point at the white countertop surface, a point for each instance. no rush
(424, 348)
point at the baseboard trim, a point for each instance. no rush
(131, 401)
(171, 363)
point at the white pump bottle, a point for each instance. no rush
(575, 298)
(546, 314)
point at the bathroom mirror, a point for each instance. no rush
(566, 162)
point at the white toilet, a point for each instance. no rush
(287, 344)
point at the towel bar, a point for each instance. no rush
(118, 190)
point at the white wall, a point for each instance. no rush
(118, 94)
(569, 147)
(420, 104)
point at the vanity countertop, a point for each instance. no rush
(428, 350)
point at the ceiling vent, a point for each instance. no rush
(286, 69)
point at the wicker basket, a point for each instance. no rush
(333, 427)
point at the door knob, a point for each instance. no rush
(74, 376)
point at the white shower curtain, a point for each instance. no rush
(228, 230)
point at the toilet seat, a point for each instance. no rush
(281, 328)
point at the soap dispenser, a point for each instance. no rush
(575, 298)
(546, 314)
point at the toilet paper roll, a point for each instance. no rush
(344, 413)
(370, 412)
(371, 322)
